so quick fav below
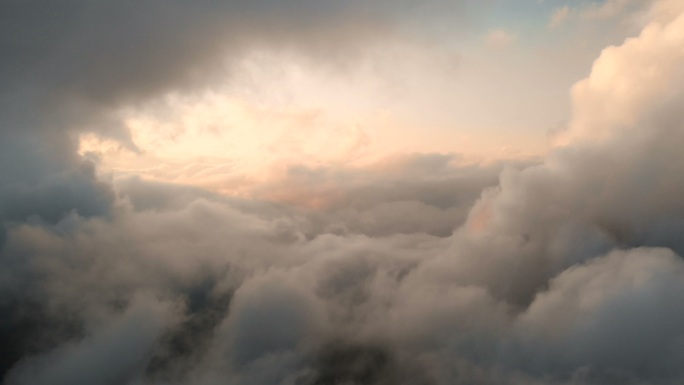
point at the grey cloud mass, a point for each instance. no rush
(564, 271)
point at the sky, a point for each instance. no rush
(315, 192)
(486, 80)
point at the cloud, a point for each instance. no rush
(106, 52)
(559, 16)
(67, 68)
(566, 271)
(595, 315)
(499, 38)
(665, 11)
(114, 353)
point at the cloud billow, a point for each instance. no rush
(567, 271)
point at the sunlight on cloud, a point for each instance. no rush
(323, 246)
(280, 111)
(213, 139)
(626, 82)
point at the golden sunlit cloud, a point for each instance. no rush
(278, 112)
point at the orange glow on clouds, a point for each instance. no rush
(280, 113)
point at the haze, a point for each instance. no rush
(318, 192)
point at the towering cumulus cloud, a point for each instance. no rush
(418, 271)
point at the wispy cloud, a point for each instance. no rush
(500, 38)
(559, 16)
(594, 11)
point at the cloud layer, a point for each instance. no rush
(418, 270)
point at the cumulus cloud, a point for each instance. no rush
(113, 353)
(416, 269)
